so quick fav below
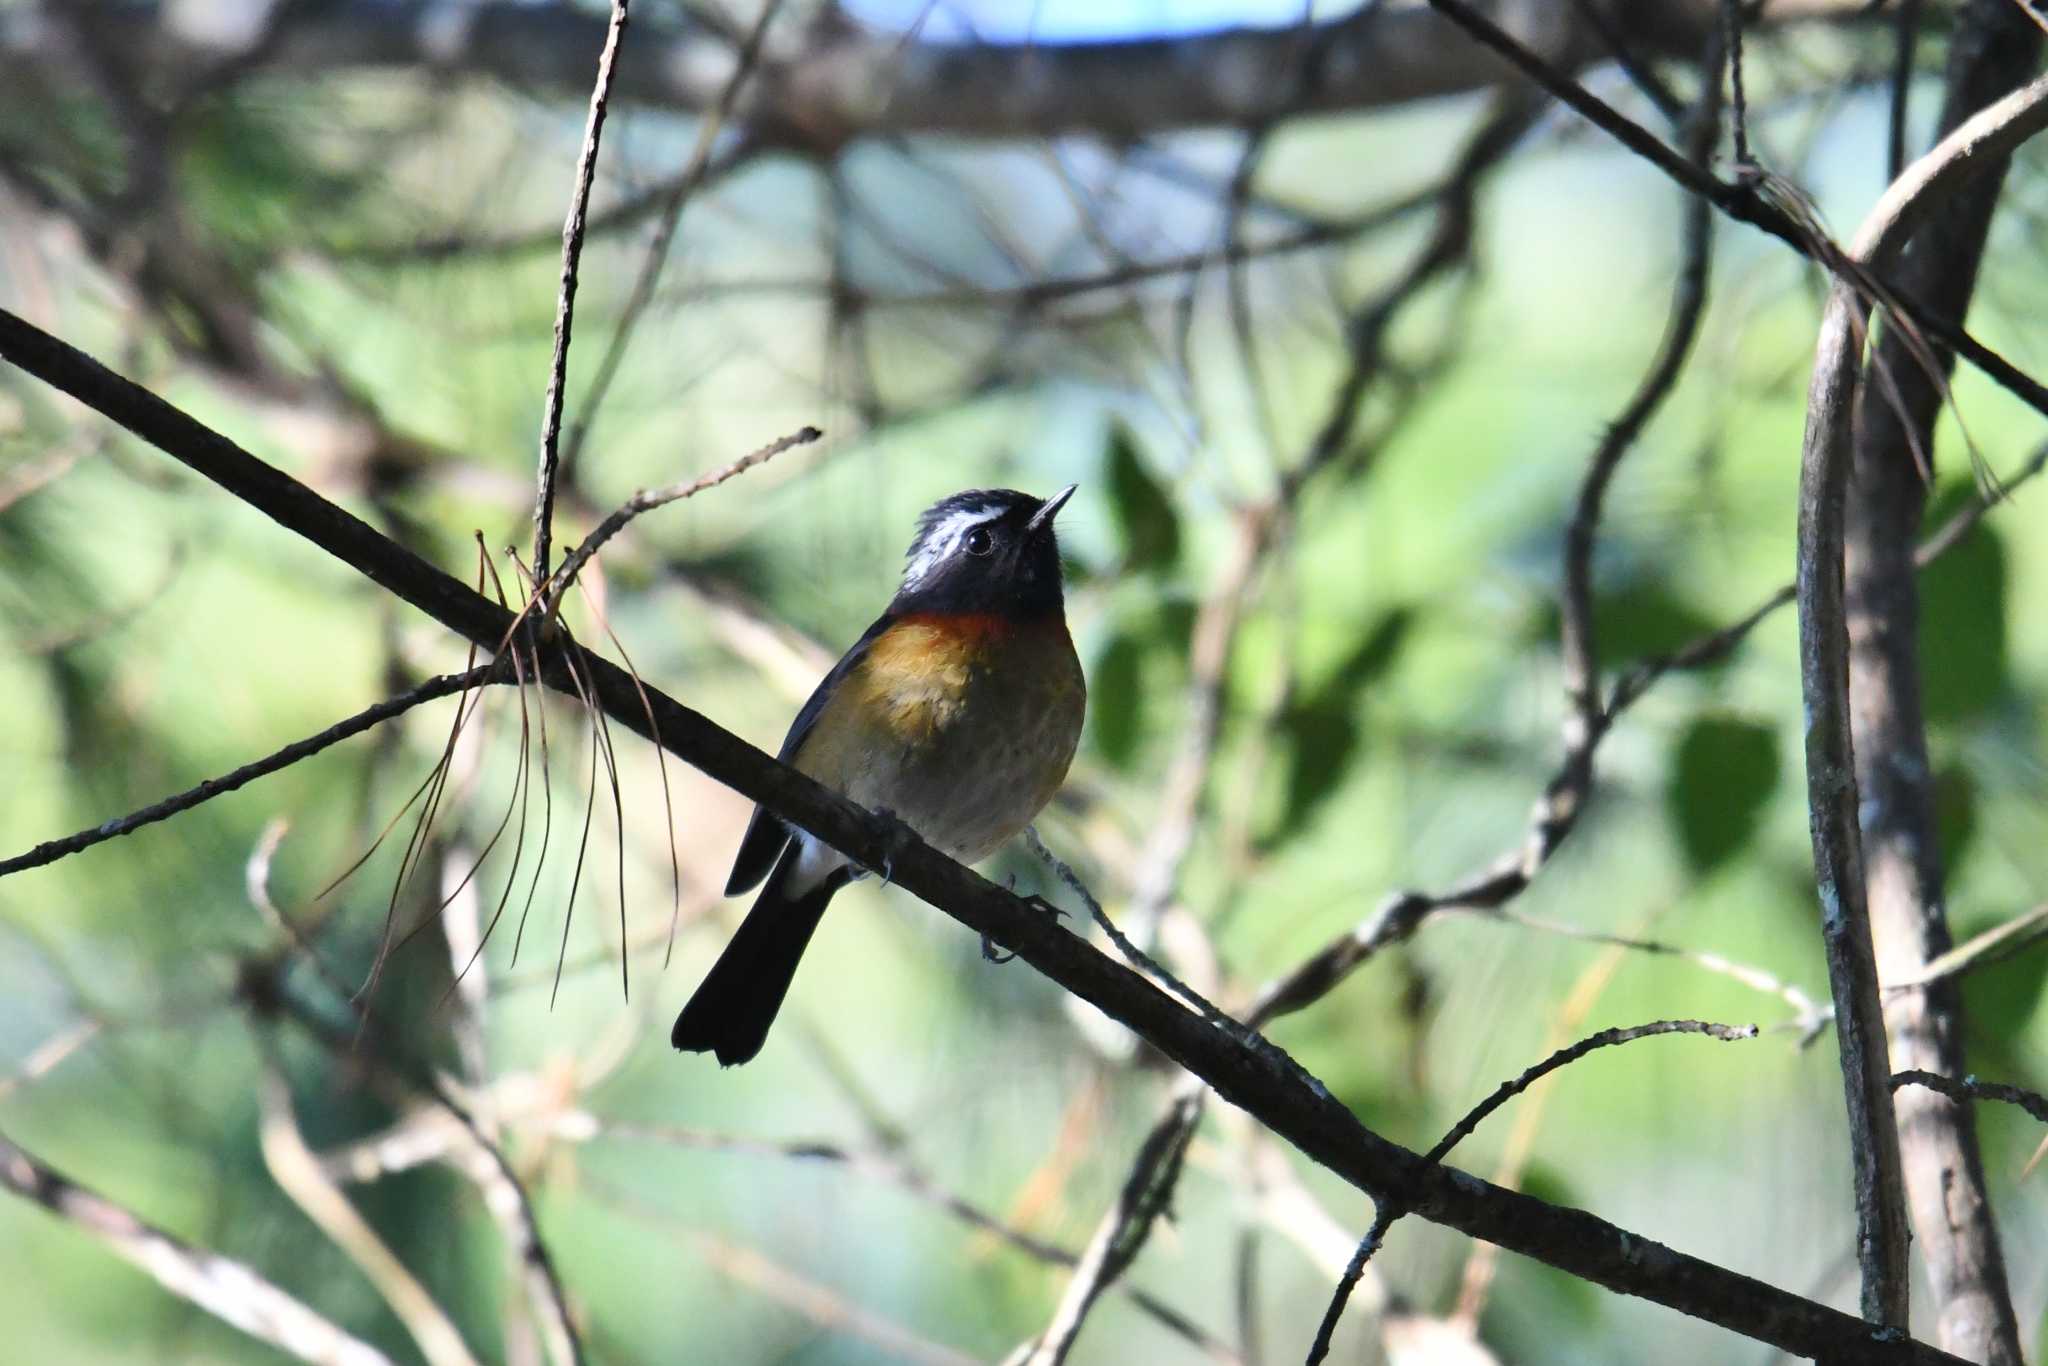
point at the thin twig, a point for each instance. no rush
(1738, 102)
(573, 227)
(50, 1054)
(646, 500)
(1137, 957)
(1750, 203)
(1388, 1209)
(299, 1175)
(1905, 37)
(1994, 945)
(1809, 1017)
(1587, 720)
(1969, 1088)
(441, 685)
(655, 259)
(1117, 1240)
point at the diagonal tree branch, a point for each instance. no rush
(227, 1289)
(1747, 201)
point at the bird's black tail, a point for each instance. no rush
(730, 1013)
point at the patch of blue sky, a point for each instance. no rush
(1072, 21)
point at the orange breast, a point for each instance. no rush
(916, 676)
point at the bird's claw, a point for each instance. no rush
(895, 837)
(1036, 902)
(1040, 904)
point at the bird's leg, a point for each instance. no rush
(895, 837)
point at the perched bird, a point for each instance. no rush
(957, 712)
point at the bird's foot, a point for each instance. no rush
(1035, 902)
(895, 836)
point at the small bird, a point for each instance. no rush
(957, 713)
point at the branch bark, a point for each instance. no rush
(1242, 1068)
(837, 82)
(1832, 791)
(1995, 50)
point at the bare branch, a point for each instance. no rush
(1119, 1238)
(1832, 789)
(1993, 51)
(1564, 798)
(473, 1154)
(230, 1291)
(1809, 1017)
(1969, 1088)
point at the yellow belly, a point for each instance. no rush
(962, 727)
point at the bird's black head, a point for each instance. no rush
(985, 550)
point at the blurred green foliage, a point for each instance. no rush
(1392, 711)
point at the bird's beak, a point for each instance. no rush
(1050, 508)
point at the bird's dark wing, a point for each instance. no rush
(766, 834)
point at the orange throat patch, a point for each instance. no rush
(916, 676)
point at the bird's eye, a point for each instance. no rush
(979, 542)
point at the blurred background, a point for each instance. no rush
(1324, 314)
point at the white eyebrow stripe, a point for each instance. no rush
(942, 540)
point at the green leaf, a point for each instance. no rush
(1321, 743)
(1114, 687)
(1722, 779)
(1144, 514)
(1955, 814)
(1322, 730)
(1642, 618)
(1963, 654)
